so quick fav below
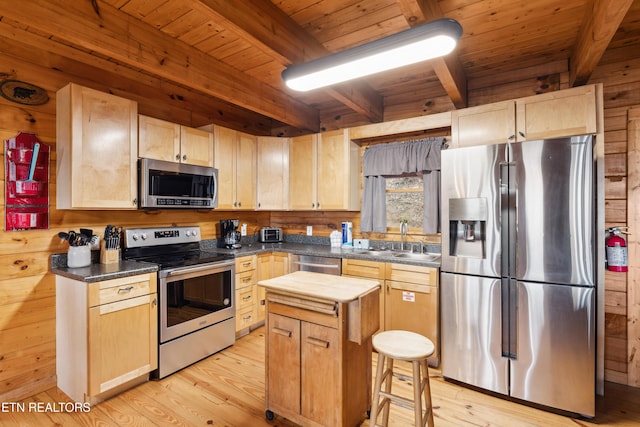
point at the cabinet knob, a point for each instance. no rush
(177, 156)
(313, 205)
(521, 134)
(512, 137)
(184, 157)
(135, 201)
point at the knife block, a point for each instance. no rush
(108, 256)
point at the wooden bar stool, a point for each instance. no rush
(414, 348)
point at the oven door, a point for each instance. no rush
(195, 297)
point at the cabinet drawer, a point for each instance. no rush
(363, 268)
(109, 291)
(245, 297)
(245, 263)
(319, 312)
(245, 318)
(246, 278)
(412, 274)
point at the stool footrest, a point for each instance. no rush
(396, 400)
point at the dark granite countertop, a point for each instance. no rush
(97, 272)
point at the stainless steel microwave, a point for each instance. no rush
(168, 185)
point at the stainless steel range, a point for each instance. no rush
(195, 294)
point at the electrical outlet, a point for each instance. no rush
(309, 230)
(243, 230)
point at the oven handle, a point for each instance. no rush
(197, 269)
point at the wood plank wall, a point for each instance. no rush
(27, 290)
(619, 71)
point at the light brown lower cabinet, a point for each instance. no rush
(270, 265)
(106, 335)
(246, 294)
(409, 300)
(412, 303)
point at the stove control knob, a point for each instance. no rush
(194, 233)
(134, 237)
(144, 236)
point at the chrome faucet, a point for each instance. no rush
(403, 233)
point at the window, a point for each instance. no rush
(405, 201)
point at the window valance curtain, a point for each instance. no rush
(420, 156)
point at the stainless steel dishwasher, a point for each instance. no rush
(318, 264)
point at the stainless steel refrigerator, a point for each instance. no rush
(518, 270)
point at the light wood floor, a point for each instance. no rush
(227, 389)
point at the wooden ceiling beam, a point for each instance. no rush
(114, 34)
(157, 97)
(598, 28)
(264, 25)
(448, 69)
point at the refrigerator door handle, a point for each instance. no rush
(509, 291)
(513, 319)
(507, 218)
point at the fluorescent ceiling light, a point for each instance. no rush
(426, 41)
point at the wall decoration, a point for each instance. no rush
(26, 183)
(23, 92)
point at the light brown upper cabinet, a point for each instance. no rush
(235, 159)
(550, 115)
(324, 172)
(273, 173)
(555, 114)
(96, 150)
(171, 142)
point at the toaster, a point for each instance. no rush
(270, 234)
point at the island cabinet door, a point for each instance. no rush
(321, 400)
(283, 370)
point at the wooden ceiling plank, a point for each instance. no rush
(365, 20)
(598, 29)
(364, 35)
(139, 8)
(165, 13)
(448, 69)
(119, 36)
(262, 24)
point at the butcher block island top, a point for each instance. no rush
(323, 286)
(318, 347)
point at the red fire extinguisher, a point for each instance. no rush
(616, 251)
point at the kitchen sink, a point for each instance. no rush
(428, 257)
(374, 252)
(417, 256)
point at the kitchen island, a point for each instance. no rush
(318, 347)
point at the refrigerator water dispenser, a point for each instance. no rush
(467, 224)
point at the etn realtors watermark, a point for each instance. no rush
(44, 407)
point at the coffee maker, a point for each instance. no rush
(229, 234)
